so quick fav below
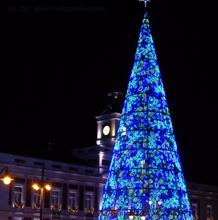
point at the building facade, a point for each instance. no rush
(74, 193)
(77, 189)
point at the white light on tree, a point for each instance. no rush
(159, 202)
(150, 202)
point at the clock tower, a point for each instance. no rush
(108, 121)
(107, 126)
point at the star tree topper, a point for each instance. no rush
(145, 1)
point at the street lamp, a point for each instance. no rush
(43, 186)
(6, 178)
(38, 187)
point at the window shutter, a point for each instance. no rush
(46, 199)
(81, 198)
(96, 199)
(65, 196)
(10, 195)
(28, 193)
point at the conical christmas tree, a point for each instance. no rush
(145, 179)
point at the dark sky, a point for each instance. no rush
(64, 56)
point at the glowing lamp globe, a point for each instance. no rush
(35, 186)
(48, 187)
(7, 180)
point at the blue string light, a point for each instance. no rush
(145, 179)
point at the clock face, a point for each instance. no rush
(106, 130)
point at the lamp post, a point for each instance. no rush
(6, 178)
(43, 186)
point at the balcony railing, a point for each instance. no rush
(36, 206)
(18, 205)
(56, 209)
(89, 210)
(72, 210)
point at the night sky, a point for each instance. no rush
(63, 57)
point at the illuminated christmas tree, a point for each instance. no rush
(145, 179)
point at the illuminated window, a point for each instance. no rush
(209, 212)
(17, 218)
(72, 200)
(194, 207)
(89, 201)
(18, 197)
(55, 199)
(36, 199)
